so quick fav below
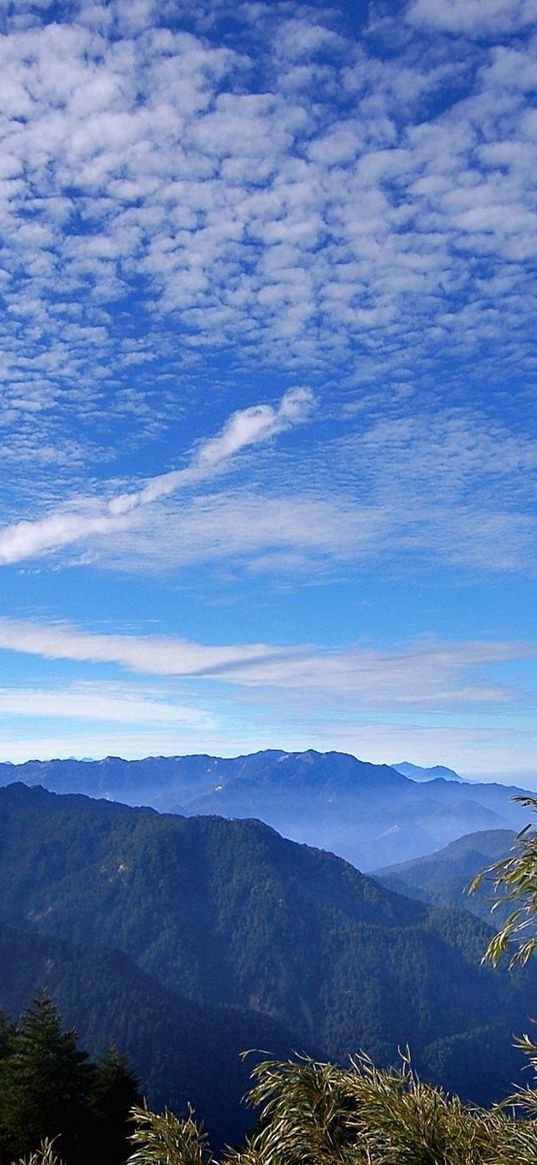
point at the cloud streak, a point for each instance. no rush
(427, 675)
(245, 428)
(453, 486)
(102, 703)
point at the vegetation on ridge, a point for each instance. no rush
(319, 1114)
(229, 912)
(316, 1113)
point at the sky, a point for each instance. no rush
(268, 472)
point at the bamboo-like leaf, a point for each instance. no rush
(45, 1155)
(163, 1139)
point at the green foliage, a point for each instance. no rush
(52, 1095)
(162, 1139)
(115, 1090)
(328, 1116)
(318, 1114)
(45, 1085)
(45, 1155)
(514, 881)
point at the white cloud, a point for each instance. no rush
(103, 703)
(255, 214)
(428, 675)
(474, 17)
(152, 656)
(246, 427)
(450, 484)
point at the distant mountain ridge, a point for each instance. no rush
(443, 877)
(418, 773)
(229, 912)
(372, 815)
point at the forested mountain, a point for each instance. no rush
(371, 815)
(443, 877)
(181, 1050)
(229, 912)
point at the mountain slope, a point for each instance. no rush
(182, 1051)
(443, 877)
(157, 781)
(369, 814)
(230, 912)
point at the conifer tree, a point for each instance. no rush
(116, 1091)
(46, 1087)
(7, 1036)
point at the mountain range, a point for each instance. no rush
(221, 912)
(443, 877)
(372, 815)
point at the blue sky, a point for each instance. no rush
(268, 372)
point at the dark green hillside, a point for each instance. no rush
(180, 1050)
(369, 814)
(230, 912)
(443, 877)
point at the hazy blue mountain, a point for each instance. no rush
(160, 781)
(371, 815)
(418, 773)
(181, 1050)
(443, 877)
(229, 912)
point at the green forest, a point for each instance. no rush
(291, 948)
(231, 938)
(59, 1108)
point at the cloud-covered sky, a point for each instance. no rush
(268, 379)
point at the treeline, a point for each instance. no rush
(51, 1090)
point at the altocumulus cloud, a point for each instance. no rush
(264, 196)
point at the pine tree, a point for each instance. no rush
(7, 1042)
(116, 1091)
(7, 1036)
(46, 1087)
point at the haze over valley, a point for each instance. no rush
(372, 815)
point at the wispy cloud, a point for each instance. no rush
(102, 703)
(246, 427)
(451, 485)
(427, 675)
